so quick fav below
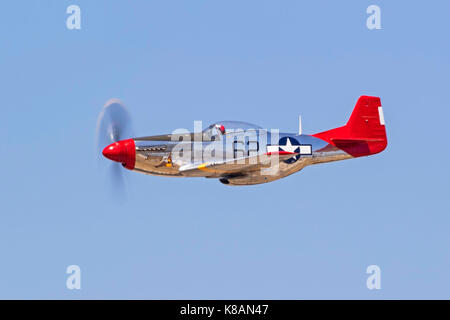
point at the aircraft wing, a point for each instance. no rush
(237, 165)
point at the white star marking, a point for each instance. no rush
(289, 147)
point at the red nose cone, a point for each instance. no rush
(122, 151)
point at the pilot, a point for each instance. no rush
(221, 128)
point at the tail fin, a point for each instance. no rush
(364, 134)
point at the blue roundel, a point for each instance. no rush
(290, 144)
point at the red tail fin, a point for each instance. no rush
(364, 134)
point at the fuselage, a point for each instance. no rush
(168, 158)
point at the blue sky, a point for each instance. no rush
(311, 235)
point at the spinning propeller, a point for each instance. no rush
(113, 126)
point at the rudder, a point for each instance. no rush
(367, 119)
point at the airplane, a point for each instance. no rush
(239, 153)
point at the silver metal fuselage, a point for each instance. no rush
(242, 162)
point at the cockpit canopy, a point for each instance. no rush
(235, 125)
(223, 127)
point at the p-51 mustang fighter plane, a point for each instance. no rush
(239, 153)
